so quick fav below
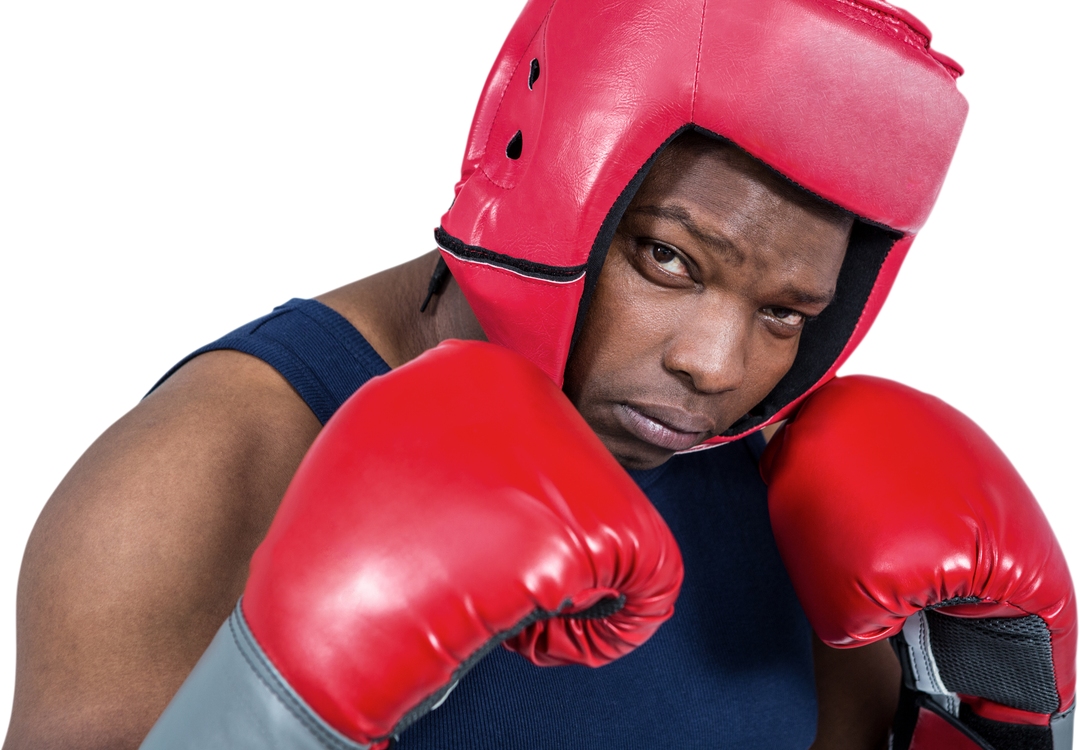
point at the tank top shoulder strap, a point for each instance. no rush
(314, 348)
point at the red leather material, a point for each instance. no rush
(997, 712)
(934, 733)
(416, 531)
(885, 500)
(882, 154)
(843, 97)
(522, 314)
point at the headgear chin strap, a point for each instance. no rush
(843, 97)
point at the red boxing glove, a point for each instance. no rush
(897, 516)
(482, 502)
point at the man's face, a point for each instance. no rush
(697, 313)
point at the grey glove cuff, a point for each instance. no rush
(235, 698)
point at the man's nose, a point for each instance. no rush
(709, 347)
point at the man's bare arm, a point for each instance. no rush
(858, 691)
(143, 550)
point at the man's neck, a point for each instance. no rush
(385, 308)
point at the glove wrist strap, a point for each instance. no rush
(235, 698)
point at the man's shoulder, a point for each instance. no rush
(225, 422)
(228, 392)
(384, 308)
(145, 545)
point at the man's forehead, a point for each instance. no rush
(695, 151)
(722, 200)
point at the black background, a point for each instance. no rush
(179, 173)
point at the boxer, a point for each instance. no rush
(685, 214)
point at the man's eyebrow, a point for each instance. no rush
(680, 215)
(725, 247)
(803, 297)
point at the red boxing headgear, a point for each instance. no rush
(843, 97)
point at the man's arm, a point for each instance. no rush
(143, 549)
(858, 691)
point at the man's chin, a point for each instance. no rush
(636, 465)
(639, 456)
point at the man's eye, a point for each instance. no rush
(785, 315)
(668, 260)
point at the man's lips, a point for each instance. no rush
(664, 427)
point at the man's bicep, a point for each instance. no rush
(143, 550)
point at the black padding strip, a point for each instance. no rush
(1008, 660)
(954, 602)
(474, 253)
(606, 607)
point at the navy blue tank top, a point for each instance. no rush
(731, 669)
